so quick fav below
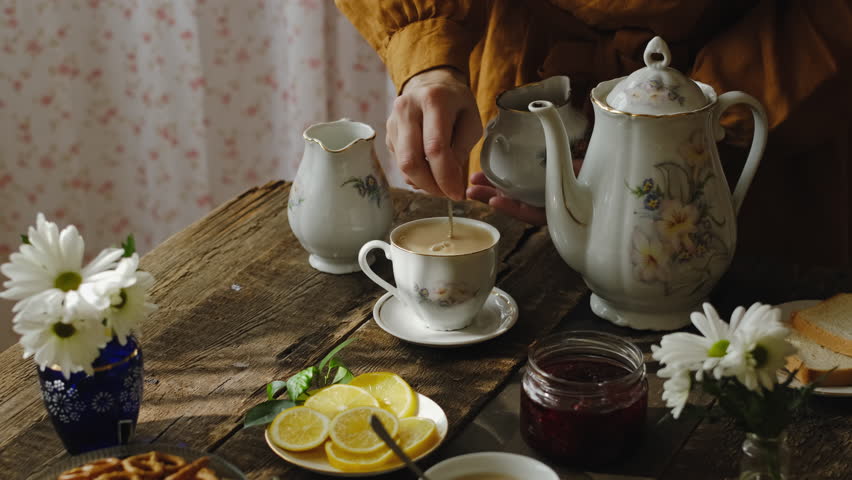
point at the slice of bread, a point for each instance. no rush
(814, 360)
(828, 323)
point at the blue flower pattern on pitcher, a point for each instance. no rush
(368, 187)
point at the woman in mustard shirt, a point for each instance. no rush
(449, 59)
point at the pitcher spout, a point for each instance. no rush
(568, 203)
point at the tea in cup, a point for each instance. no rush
(491, 466)
(444, 280)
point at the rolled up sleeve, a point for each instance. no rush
(414, 36)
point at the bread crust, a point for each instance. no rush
(805, 374)
(819, 335)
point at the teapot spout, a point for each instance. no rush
(568, 203)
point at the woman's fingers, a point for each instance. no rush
(481, 193)
(408, 146)
(479, 178)
(519, 210)
(438, 122)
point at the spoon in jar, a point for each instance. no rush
(385, 436)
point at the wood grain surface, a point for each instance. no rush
(239, 306)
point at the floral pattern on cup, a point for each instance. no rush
(446, 295)
(368, 187)
(678, 238)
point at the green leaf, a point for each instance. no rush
(272, 388)
(25, 239)
(300, 382)
(334, 352)
(129, 246)
(265, 412)
(343, 375)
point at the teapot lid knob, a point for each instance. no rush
(657, 54)
(656, 89)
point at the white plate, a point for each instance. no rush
(787, 310)
(316, 461)
(497, 316)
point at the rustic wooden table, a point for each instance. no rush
(240, 306)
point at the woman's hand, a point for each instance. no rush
(482, 190)
(433, 126)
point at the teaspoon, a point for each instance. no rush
(385, 436)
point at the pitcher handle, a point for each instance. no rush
(485, 159)
(758, 142)
(365, 266)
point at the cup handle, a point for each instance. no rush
(365, 266)
(485, 159)
(758, 142)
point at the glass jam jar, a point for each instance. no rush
(584, 397)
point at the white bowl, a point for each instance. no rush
(511, 464)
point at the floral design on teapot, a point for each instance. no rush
(655, 91)
(678, 238)
(446, 295)
(368, 187)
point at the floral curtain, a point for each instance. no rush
(139, 116)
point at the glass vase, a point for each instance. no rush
(96, 411)
(765, 458)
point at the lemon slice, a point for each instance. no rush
(417, 435)
(338, 398)
(299, 429)
(351, 430)
(357, 462)
(392, 392)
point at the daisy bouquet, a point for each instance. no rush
(66, 312)
(738, 364)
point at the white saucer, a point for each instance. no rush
(787, 310)
(497, 316)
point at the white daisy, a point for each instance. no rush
(759, 348)
(676, 388)
(127, 289)
(70, 345)
(49, 269)
(695, 352)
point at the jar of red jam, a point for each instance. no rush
(584, 397)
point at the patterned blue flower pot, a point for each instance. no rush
(98, 411)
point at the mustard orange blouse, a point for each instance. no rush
(794, 56)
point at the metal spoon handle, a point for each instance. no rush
(450, 216)
(385, 436)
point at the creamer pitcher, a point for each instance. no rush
(340, 197)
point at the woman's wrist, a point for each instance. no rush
(435, 76)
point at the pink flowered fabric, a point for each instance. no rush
(140, 116)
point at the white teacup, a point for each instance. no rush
(500, 465)
(444, 291)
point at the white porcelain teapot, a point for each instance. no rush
(649, 222)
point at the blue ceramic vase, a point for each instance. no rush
(97, 411)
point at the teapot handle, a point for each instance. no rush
(758, 142)
(485, 159)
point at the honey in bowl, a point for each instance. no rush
(485, 476)
(584, 398)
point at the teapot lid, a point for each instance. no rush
(656, 89)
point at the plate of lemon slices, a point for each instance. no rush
(331, 434)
